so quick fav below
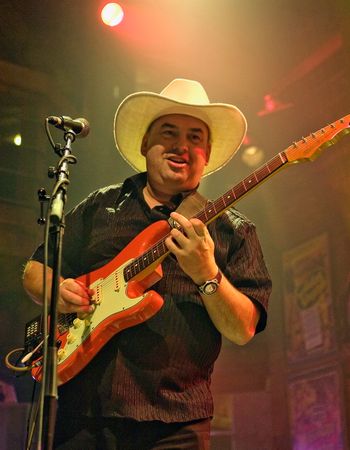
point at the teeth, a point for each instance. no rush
(177, 160)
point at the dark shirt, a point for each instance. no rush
(159, 369)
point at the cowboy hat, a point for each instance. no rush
(227, 124)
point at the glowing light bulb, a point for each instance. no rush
(17, 140)
(252, 155)
(112, 14)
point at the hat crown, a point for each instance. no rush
(186, 91)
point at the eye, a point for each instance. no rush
(196, 137)
(168, 133)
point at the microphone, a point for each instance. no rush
(80, 127)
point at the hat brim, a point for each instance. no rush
(227, 126)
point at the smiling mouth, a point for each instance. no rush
(177, 160)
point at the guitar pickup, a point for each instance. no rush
(97, 298)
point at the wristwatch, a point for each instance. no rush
(209, 287)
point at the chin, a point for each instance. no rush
(179, 181)
(185, 186)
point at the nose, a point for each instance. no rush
(180, 149)
(181, 146)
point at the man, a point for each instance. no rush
(149, 386)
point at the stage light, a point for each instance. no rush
(112, 14)
(272, 104)
(17, 140)
(252, 156)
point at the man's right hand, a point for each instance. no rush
(75, 297)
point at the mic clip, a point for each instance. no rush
(43, 198)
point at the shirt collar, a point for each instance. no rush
(138, 182)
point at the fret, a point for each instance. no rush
(141, 262)
(132, 269)
(250, 182)
(262, 172)
(204, 216)
(127, 272)
(164, 248)
(220, 204)
(201, 216)
(239, 189)
(283, 157)
(158, 253)
(230, 197)
(210, 211)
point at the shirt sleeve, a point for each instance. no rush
(240, 257)
(76, 229)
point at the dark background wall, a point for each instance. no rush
(57, 58)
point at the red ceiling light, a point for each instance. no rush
(271, 105)
(112, 14)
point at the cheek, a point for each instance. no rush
(154, 154)
(202, 155)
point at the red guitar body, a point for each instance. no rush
(120, 304)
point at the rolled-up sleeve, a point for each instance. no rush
(240, 257)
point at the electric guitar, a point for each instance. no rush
(120, 285)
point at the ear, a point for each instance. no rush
(208, 153)
(144, 145)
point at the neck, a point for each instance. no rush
(154, 197)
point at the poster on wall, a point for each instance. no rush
(316, 412)
(309, 320)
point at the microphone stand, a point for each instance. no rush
(56, 223)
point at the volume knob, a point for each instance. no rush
(70, 338)
(61, 354)
(77, 322)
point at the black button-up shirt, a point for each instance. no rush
(159, 369)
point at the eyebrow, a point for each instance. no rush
(170, 125)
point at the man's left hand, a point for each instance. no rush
(193, 248)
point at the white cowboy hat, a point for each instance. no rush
(227, 123)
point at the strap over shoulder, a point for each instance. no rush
(192, 204)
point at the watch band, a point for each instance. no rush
(209, 287)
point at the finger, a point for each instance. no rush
(75, 299)
(173, 246)
(75, 288)
(89, 292)
(199, 227)
(179, 238)
(184, 223)
(69, 300)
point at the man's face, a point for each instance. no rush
(177, 149)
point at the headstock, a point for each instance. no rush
(307, 149)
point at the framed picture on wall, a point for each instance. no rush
(309, 318)
(316, 411)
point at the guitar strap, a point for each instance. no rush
(192, 205)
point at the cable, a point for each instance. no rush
(9, 365)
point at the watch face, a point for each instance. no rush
(210, 288)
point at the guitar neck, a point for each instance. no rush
(212, 210)
(216, 208)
